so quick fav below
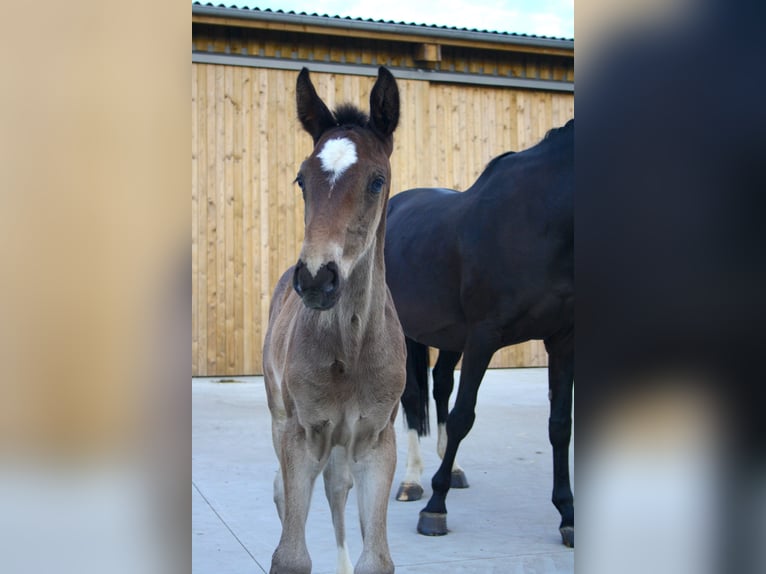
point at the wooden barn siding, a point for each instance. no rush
(247, 215)
(355, 50)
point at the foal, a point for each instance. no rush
(334, 355)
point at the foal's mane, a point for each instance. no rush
(350, 115)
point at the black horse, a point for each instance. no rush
(476, 271)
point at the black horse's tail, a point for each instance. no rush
(415, 396)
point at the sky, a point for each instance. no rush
(539, 17)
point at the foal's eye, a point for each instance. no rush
(299, 181)
(377, 185)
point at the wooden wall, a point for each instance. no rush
(247, 215)
(353, 49)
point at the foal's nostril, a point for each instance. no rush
(318, 291)
(332, 282)
(299, 268)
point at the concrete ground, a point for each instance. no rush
(504, 523)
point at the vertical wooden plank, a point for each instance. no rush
(229, 114)
(202, 182)
(248, 345)
(479, 155)
(239, 263)
(543, 114)
(219, 41)
(516, 65)
(555, 116)
(212, 218)
(397, 156)
(264, 157)
(504, 105)
(436, 146)
(558, 70)
(259, 262)
(278, 129)
(532, 67)
(490, 125)
(288, 188)
(407, 136)
(220, 151)
(195, 222)
(271, 184)
(461, 162)
(448, 135)
(417, 131)
(524, 104)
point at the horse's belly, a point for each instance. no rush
(447, 338)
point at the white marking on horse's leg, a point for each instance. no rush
(414, 458)
(337, 156)
(344, 561)
(441, 445)
(441, 442)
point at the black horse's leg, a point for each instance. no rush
(480, 346)
(560, 381)
(415, 406)
(444, 381)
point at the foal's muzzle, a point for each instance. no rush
(320, 291)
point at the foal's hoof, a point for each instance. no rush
(458, 479)
(432, 523)
(567, 536)
(409, 491)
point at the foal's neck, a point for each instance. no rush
(361, 306)
(365, 288)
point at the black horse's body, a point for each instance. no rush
(476, 271)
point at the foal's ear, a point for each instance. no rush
(312, 112)
(384, 104)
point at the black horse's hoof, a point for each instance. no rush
(458, 479)
(432, 523)
(409, 491)
(567, 536)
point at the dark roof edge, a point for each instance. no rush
(380, 26)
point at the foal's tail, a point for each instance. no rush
(415, 396)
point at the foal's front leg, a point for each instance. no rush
(373, 473)
(299, 469)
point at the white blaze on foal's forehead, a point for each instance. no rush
(337, 156)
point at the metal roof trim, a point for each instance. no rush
(436, 32)
(372, 71)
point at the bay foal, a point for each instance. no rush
(334, 355)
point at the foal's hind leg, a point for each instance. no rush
(560, 383)
(337, 483)
(373, 474)
(444, 381)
